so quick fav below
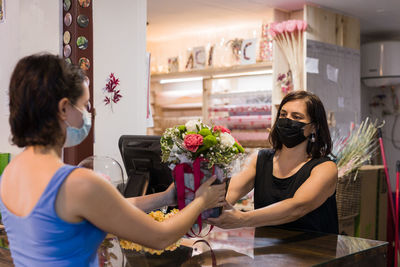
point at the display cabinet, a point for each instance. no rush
(238, 97)
(242, 103)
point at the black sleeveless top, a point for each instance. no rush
(269, 190)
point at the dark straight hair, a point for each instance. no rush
(322, 146)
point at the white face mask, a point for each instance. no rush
(74, 135)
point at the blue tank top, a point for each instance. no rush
(43, 239)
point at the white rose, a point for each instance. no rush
(191, 125)
(227, 140)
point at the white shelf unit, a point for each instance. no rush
(238, 97)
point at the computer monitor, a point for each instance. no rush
(141, 155)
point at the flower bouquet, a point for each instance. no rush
(195, 152)
(356, 149)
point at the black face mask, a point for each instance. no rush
(290, 132)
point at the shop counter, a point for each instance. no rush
(265, 246)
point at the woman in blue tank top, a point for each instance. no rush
(294, 183)
(57, 214)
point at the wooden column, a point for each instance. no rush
(78, 26)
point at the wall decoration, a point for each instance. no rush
(83, 21)
(266, 43)
(248, 51)
(67, 5)
(210, 56)
(113, 95)
(68, 19)
(84, 3)
(199, 57)
(82, 42)
(189, 62)
(84, 63)
(236, 45)
(173, 64)
(284, 81)
(67, 50)
(67, 37)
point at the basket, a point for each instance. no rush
(348, 196)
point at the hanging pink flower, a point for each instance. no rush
(291, 25)
(288, 26)
(193, 141)
(279, 28)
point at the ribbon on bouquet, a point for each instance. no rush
(179, 176)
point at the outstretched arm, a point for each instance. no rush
(156, 200)
(313, 193)
(88, 196)
(243, 182)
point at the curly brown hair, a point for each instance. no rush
(37, 84)
(323, 143)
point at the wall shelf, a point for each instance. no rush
(213, 73)
(244, 108)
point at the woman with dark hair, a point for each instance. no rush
(295, 182)
(57, 214)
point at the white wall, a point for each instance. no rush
(388, 114)
(119, 33)
(119, 46)
(31, 26)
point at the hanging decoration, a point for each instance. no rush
(284, 81)
(289, 37)
(112, 94)
(235, 45)
(265, 51)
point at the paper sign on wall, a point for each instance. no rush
(312, 65)
(332, 73)
(248, 51)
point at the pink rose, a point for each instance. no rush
(222, 129)
(193, 141)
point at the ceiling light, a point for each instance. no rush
(249, 73)
(189, 79)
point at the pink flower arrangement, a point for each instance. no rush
(111, 89)
(288, 26)
(289, 37)
(193, 141)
